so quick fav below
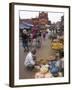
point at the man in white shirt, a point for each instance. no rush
(30, 60)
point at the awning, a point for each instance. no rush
(22, 26)
(27, 24)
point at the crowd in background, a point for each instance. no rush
(32, 39)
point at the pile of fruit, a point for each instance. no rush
(44, 69)
(42, 61)
(51, 58)
(43, 73)
(57, 45)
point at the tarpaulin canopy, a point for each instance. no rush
(22, 26)
(25, 25)
(28, 24)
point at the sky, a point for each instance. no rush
(53, 16)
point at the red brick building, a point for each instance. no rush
(41, 20)
(35, 21)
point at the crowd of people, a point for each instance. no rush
(33, 41)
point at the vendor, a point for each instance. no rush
(60, 65)
(57, 66)
(53, 67)
(30, 59)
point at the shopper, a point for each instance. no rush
(25, 40)
(38, 40)
(44, 35)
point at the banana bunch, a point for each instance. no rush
(57, 45)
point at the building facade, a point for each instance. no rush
(40, 21)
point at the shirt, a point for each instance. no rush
(29, 60)
(60, 64)
(25, 36)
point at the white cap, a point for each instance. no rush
(24, 31)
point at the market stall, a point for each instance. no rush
(58, 45)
